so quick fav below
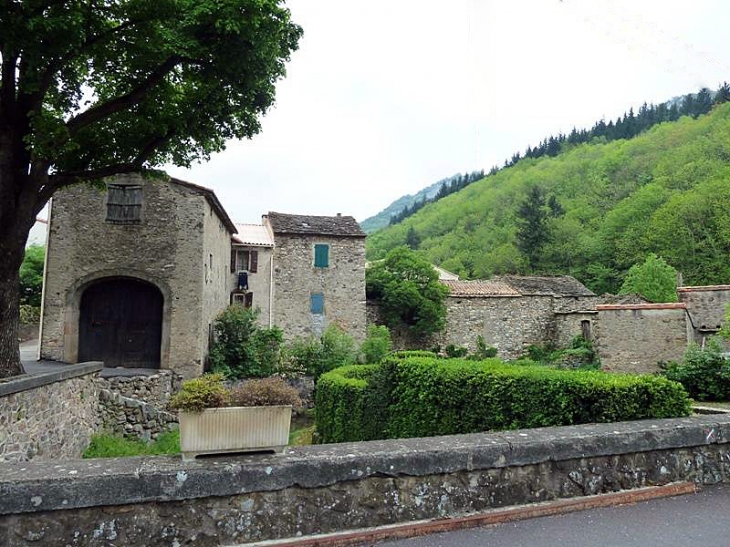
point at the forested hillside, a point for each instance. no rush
(591, 211)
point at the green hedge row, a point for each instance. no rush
(423, 396)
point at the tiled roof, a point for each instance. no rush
(562, 285)
(478, 288)
(253, 235)
(315, 225)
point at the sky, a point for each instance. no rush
(385, 97)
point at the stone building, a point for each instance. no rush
(706, 307)
(137, 272)
(319, 274)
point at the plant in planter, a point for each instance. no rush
(253, 417)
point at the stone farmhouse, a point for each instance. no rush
(136, 273)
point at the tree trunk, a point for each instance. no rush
(9, 319)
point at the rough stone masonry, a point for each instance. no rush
(161, 501)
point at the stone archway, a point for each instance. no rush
(120, 323)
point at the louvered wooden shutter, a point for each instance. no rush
(233, 261)
(254, 261)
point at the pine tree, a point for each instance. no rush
(723, 94)
(533, 231)
(703, 102)
(413, 240)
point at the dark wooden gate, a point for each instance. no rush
(120, 323)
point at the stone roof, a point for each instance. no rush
(478, 288)
(344, 226)
(562, 285)
(620, 299)
(253, 235)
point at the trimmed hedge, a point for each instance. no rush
(423, 396)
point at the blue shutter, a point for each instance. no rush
(321, 256)
(316, 303)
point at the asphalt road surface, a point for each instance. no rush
(701, 519)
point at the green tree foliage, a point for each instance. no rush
(31, 275)
(533, 224)
(314, 356)
(407, 288)
(653, 279)
(376, 345)
(665, 192)
(93, 89)
(243, 349)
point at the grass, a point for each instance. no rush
(107, 445)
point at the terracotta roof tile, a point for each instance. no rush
(479, 288)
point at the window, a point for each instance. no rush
(124, 204)
(244, 261)
(321, 256)
(242, 299)
(316, 303)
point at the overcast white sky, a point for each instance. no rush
(385, 97)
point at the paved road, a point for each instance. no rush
(701, 519)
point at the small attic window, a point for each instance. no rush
(124, 204)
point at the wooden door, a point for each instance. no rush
(120, 323)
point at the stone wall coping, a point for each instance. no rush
(704, 288)
(28, 487)
(665, 306)
(16, 384)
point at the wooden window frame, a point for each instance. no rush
(124, 203)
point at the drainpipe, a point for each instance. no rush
(271, 289)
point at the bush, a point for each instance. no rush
(29, 315)
(455, 351)
(376, 345)
(483, 351)
(31, 276)
(315, 356)
(579, 355)
(424, 396)
(705, 373)
(198, 394)
(266, 392)
(242, 348)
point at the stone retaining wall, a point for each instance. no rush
(49, 416)
(161, 501)
(155, 389)
(132, 417)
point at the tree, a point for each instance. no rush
(533, 231)
(413, 240)
(94, 89)
(654, 279)
(31, 275)
(408, 290)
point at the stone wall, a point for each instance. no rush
(571, 324)
(161, 501)
(165, 249)
(706, 307)
(155, 389)
(342, 283)
(49, 416)
(259, 283)
(635, 337)
(133, 417)
(217, 267)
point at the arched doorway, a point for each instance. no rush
(120, 323)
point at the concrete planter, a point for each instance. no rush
(234, 429)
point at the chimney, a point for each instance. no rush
(339, 214)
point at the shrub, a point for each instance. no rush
(455, 351)
(29, 315)
(705, 373)
(483, 351)
(315, 356)
(31, 276)
(242, 348)
(198, 394)
(424, 396)
(108, 445)
(376, 345)
(265, 392)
